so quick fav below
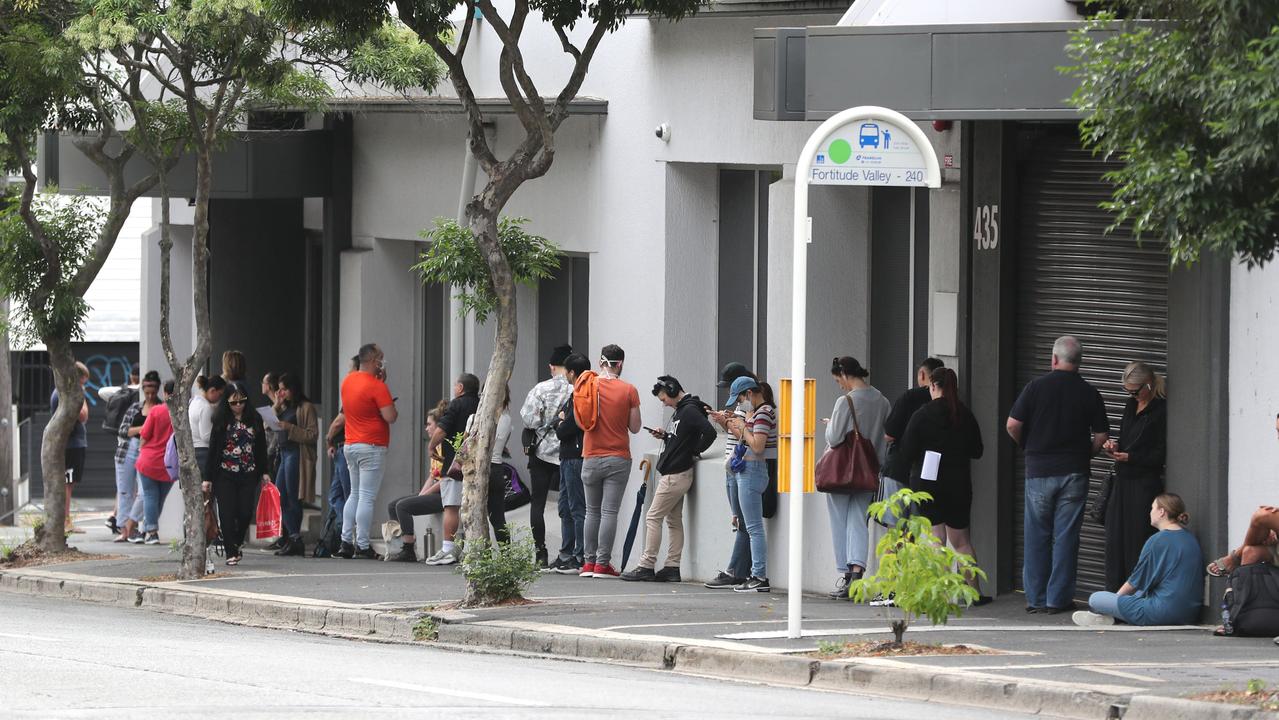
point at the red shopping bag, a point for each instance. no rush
(268, 512)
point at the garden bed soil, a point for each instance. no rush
(28, 554)
(1267, 700)
(887, 648)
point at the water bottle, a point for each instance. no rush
(1225, 610)
(428, 542)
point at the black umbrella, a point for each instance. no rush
(635, 516)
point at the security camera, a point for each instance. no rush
(663, 132)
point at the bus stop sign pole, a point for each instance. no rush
(862, 146)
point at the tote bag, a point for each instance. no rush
(851, 466)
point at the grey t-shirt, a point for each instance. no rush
(872, 410)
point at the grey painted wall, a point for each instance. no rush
(690, 314)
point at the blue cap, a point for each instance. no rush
(740, 385)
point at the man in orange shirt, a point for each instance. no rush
(606, 461)
(369, 410)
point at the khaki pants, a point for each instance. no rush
(668, 504)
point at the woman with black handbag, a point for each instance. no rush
(947, 427)
(859, 412)
(1139, 471)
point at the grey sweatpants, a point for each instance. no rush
(604, 482)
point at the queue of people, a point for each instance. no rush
(577, 437)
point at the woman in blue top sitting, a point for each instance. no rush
(1165, 587)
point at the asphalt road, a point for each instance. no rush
(63, 659)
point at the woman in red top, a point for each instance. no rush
(155, 478)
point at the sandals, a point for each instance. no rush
(1221, 567)
(233, 561)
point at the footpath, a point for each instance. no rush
(1041, 664)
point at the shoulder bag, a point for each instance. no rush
(851, 466)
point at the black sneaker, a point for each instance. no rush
(640, 574)
(541, 558)
(367, 553)
(278, 544)
(293, 548)
(668, 574)
(346, 551)
(406, 554)
(841, 588)
(571, 566)
(724, 581)
(753, 584)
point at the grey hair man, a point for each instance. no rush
(1059, 420)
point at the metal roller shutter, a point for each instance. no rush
(1074, 279)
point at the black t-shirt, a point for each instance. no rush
(1060, 412)
(896, 466)
(453, 421)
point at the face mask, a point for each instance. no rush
(745, 405)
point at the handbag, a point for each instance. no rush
(211, 532)
(1097, 510)
(851, 466)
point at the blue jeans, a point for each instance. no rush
(849, 532)
(153, 494)
(572, 510)
(126, 484)
(364, 462)
(340, 483)
(1107, 603)
(286, 481)
(746, 495)
(1054, 514)
(739, 563)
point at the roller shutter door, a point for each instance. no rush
(1075, 279)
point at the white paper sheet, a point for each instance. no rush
(932, 461)
(269, 420)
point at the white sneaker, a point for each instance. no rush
(881, 601)
(1087, 618)
(443, 557)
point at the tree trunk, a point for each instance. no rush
(185, 372)
(899, 631)
(53, 445)
(475, 487)
(6, 408)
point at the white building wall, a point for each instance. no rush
(1254, 400)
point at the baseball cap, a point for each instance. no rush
(731, 372)
(740, 385)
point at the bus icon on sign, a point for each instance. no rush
(868, 136)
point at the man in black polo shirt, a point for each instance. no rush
(1060, 422)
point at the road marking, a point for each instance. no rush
(720, 622)
(36, 638)
(1121, 674)
(486, 697)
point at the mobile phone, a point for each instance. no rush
(654, 430)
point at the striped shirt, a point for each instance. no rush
(764, 420)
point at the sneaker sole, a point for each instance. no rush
(568, 571)
(752, 590)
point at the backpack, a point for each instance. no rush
(1250, 606)
(116, 407)
(172, 464)
(330, 537)
(586, 400)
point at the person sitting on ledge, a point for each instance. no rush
(1165, 587)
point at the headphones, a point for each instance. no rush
(668, 385)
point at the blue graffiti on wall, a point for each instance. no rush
(105, 372)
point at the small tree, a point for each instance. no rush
(580, 26)
(1190, 103)
(916, 569)
(454, 257)
(209, 60)
(48, 83)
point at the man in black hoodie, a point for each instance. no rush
(687, 436)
